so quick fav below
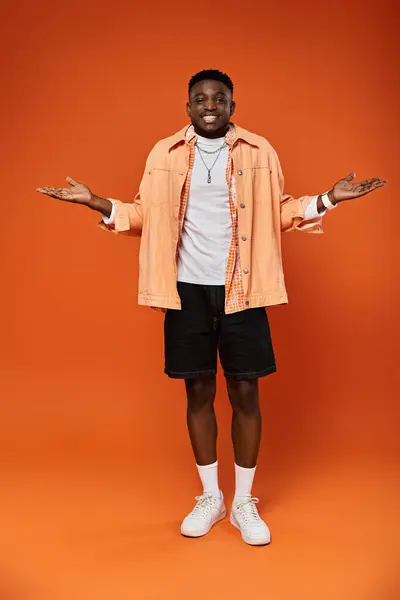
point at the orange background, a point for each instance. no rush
(97, 469)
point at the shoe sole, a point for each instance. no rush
(203, 533)
(248, 541)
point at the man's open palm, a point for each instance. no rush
(345, 189)
(78, 192)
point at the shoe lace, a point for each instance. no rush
(204, 504)
(248, 510)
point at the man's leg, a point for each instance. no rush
(246, 421)
(246, 433)
(201, 421)
(246, 437)
(202, 426)
(191, 354)
(246, 355)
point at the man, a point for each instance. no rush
(210, 209)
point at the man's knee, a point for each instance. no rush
(243, 395)
(200, 393)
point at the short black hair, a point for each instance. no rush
(211, 74)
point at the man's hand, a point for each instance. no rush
(77, 193)
(344, 189)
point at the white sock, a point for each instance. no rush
(244, 482)
(209, 478)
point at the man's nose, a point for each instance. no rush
(210, 105)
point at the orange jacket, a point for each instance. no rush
(263, 212)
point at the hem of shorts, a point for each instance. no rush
(189, 374)
(251, 375)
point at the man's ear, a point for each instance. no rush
(188, 109)
(233, 107)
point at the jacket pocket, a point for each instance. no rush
(259, 177)
(163, 185)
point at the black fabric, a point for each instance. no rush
(194, 335)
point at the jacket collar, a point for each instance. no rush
(187, 133)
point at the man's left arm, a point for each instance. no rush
(305, 213)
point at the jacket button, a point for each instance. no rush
(247, 303)
(245, 271)
(244, 238)
(240, 172)
(242, 205)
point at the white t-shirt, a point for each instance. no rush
(207, 226)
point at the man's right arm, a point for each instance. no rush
(119, 217)
(102, 205)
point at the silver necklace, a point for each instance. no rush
(219, 150)
(210, 151)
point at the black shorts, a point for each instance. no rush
(194, 334)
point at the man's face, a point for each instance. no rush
(210, 108)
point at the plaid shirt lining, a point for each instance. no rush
(234, 294)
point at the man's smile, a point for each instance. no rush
(209, 118)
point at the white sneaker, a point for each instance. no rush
(208, 511)
(245, 517)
